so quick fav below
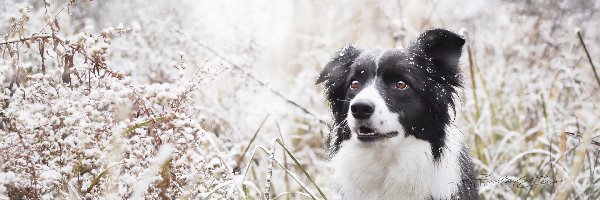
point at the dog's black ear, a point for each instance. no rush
(334, 76)
(444, 49)
(339, 64)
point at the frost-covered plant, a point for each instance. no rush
(73, 126)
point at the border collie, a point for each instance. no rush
(392, 136)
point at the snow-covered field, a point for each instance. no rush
(185, 99)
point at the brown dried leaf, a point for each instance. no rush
(66, 75)
(56, 24)
(42, 51)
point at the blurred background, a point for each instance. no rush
(169, 99)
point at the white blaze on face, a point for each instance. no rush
(382, 120)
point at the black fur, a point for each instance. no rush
(469, 183)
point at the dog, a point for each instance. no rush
(392, 135)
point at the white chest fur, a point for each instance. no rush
(397, 168)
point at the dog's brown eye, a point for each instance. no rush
(401, 85)
(354, 85)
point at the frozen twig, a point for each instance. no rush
(241, 158)
(262, 83)
(588, 56)
(270, 172)
(27, 39)
(302, 168)
(472, 72)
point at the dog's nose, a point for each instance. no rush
(362, 109)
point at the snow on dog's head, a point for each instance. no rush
(380, 94)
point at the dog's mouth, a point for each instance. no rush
(368, 134)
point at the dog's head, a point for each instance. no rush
(388, 93)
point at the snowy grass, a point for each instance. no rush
(212, 100)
